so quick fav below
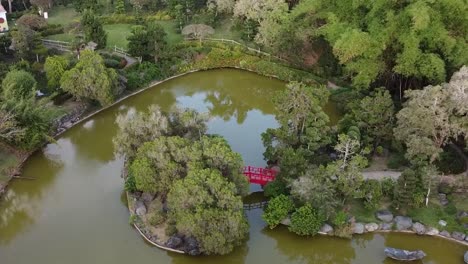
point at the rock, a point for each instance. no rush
(358, 228)
(286, 221)
(386, 226)
(442, 223)
(67, 125)
(371, 227)
(431, 231)
(326, 229)
(445, 233)
(403, 222)
(147, 198)
(404, 255)
(140, 208)
(458, 236)
(443, 199)
(191, 246)
(174, 242)
(384, 216)
(465, 257)
(419, 228)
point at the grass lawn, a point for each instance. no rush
(361, 213)
(432, 214)
(62, 15)
(117, 34)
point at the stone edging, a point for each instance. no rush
(155, 244)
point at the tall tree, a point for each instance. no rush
(18, 84)
(93, 29)
(303, 124)
(55, 67)
(147, 41)
(204, 205)
(91, 79)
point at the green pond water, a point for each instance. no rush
(75, 212)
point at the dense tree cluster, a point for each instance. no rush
(197, 175)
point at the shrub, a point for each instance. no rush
(142, 74)
(450, 162)
(388, 186)
(450, 209)
(278, 209)
(397, 160)
(18, 84)
(306, 221)
(111, 63)
(130, 184)
(156, 212)
(372, 194)
(344, 231)
(445, 187)
(275, 188)
(52, 29)
(341, 218)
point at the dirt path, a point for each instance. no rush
(380, 175)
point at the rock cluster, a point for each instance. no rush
(187, 244)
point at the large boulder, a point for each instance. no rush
(458, 236)
(386, 226)
(371, 227)
(465, 258)
(358, 228)
(191, 246)
(286, 221)
(326, 229)
(445, 233)
(431, 231)
(140, 208)
(403, 222)
(404, 255)
(174, 242)
(147, 198)
(384, 216)
(419, 228)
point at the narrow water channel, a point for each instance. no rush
(75, 212)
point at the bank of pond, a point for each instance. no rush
(71, 213)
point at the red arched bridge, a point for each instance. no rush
(260, 176)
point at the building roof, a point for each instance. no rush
(2, 9)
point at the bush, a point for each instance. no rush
(397, 161)
(130, 184)
(344, 231)
(450, 209)
(306, 221)
(278, 209)
(388, 186)
(275, 188)
(52, 29)
(341, 218)
(445, 187)
(372, 194)
(142, 74)
(156, 212)
(18, 84)
(450, 162)
(111, 63)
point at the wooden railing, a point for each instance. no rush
(57, 44)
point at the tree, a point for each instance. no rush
(205, 206)
(222, 6)
(316, 188)
(374, 116)
(42, 5)
(303, 124)
(119, 7)
(306, 221)
(93, 29)
(91, 79)
(407, 191)
(9, 127)
(137, 128)
(82, 5)
(432, 118)
(25, 41)
(18, 84)
(399, 51)
(32, 21)
(147, 41)
(277, 210)
(55, 67)
(138, 4)
(198, 31)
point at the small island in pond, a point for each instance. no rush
(184, 186)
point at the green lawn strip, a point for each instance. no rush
(117, 35)
(361, 213)
(62, 15)
(431, 215)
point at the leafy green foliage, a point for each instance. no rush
(341, 218)
(93, 29)
(148, 41)
(55, 67)
(130, 184)
(275, 188)
(91, 79)
(408, 191)
(278, 209)
(373, 193)
(204, 205)
(142, 74)
(18, 84)
(306, 221)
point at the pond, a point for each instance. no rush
(75, 211)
